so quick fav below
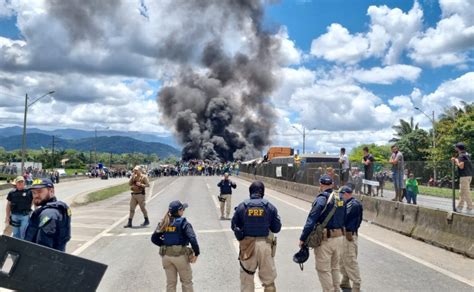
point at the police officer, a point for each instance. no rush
(328, 253)
(138, 182)
(173, 235)
(254, 222)
(18, 208)
(50, 223)
(225, 198)
(352, 221)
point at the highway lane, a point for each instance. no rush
(389, 261)
(66, 191)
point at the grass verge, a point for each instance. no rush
(107, 193)
(432, 191)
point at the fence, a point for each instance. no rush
(309, 173)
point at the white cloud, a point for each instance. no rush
(388, 74)
(390, 31)
(289, 53)
(450, 41)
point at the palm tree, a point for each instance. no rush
(403, 129)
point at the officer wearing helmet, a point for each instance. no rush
(138, 182)
(173, 235)
(50, 223)
(352, 221)
(254, 222)
(328, 253)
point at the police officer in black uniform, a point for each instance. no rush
(352, 221)
(225, 196)
(18, 208)
(173, 235)
(328, 253)
(50, 223)
(254, 223)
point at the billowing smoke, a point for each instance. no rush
(221, 110)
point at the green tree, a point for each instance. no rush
(403, 129)
(381, 153)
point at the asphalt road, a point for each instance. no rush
(389, 261)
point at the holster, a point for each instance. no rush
(174, 250)
(247, 248)
(349, 236)
(272, 240)
(14, 223)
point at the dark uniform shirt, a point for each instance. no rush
(354, 213)
(20, 201)
(179, 232)
(467, 170)
(316, 215)
(226, 186)
(50, 225)
(255, 217)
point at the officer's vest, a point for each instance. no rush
(174, 233)
(20, 201)
(256, 218)
(64, 226)
(337, 220)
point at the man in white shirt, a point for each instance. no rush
(345, 167)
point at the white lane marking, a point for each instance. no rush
(214, 199)
(196, 231)
(421, 261)
(106, 231)
(413, 258)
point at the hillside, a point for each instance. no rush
(114, 144)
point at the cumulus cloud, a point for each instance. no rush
(390, 31)
(388, 74)
(452, 38)
(451, 93)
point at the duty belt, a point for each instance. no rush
(23, 213)
(175, 250)
(332, 233)
(138, 193)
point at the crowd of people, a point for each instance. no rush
(197, 168)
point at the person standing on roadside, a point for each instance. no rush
(464, 164)
(412, 189)
(138, 182)
(398, 171)
(368, 161)
(225, 197)
(345, 166)
(18, 208)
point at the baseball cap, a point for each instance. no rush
(345, 189)
(18, 179)
(325, 180)
(460, 146)
(137, 168)
(257, 187)
(175, 206)
(41, 183)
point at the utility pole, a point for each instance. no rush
(304, 139)
(52, 154)
(434, 147)
(23, 143)
(95, 146)
(110, 160)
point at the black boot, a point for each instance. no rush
(129, 224)
(146, 222)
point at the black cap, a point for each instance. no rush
(257, 187)
(41, 183)
(325, 180)
(460, 146)
(345, 189)
(175, 206)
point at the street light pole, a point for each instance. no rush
(23, 143)
(433, 132)
(304, 136)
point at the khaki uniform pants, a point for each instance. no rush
(227, 204)
(465, 192)
(349, 264)
(174, 266)
(261, 258)
(328, 255)
(138, 200)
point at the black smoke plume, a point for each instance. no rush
(220, 108)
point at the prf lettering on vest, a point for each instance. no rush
(170, 229)
(255, 212)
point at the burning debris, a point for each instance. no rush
(221, 110)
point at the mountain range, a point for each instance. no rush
(73, 134)
(112, 144)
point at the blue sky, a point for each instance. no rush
(348, 68)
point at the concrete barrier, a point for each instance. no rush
(454, 232)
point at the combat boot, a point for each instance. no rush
(129, 224)
(146, 222)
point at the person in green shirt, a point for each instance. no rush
(412, 188)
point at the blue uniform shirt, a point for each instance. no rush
(316, 215)
(50, 225)
(226, 186)
(255, 217)
(354, 213)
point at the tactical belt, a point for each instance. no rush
(351, 232)
(175, 250)
(138, 193)
(22, 213)
(333, 233)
